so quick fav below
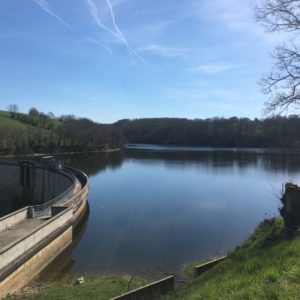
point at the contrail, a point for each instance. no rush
(117, 33)
(91, 40)
(121, 35)
(94, 12)
(43, 4)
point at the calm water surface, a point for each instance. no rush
(156, 208)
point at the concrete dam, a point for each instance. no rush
(40, 204)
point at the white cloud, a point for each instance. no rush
(210, 69)
(207, 97)
(157, 28)
(164, 50)
(43, 4)
(236, 15)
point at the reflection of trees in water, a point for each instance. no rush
(62, 265)
(13, 197)
(269, 160)
(92, 163)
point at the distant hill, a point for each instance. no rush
(39, 133)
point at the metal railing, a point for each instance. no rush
(80, 196)
(45, 208)
(66, 196)
(42, 210)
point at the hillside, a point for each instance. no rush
(6, 120)
(39, 133)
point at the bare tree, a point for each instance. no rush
(13, 109)
(278, 15)
(282, 84)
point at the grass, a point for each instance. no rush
(6, 120)
(188, 269)
(100, 288)
(267, 266)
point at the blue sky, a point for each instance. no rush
(114, 59)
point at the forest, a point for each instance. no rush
(276, 132)
(36, 132)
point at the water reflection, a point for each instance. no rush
(93, 163)
(61, 267)
(269, 160)
(157, 209)
(154, 209)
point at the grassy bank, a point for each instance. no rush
(267, 266)
(100, 288)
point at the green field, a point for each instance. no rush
(6, 120)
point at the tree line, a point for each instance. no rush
(35, 118)
(50, 134)
(278, 132)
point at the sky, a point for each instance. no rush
(113, 59)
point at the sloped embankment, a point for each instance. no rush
(267, 266)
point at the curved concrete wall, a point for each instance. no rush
(25, 272)
(20, 246)
(44, 185)
(23, 258)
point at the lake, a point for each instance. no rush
(154, 208)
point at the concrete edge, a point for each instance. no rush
(198, 270)
(17, 241)
(14, 213)
(170, 280)
(10, 268)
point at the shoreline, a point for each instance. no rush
(136, 146)
(59, 153)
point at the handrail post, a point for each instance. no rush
(30, 212)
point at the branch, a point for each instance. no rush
(283, 86)
(279, 15)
